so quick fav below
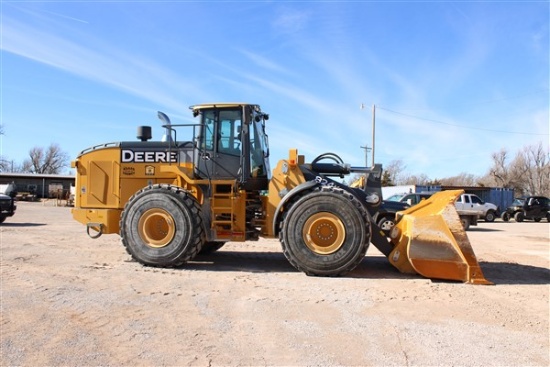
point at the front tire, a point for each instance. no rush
(505, 216)
(325, 233)
(518, 217)
(490, 216)
(161, 226)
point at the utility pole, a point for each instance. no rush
(373, 124)
(367, 150)
(373, 133)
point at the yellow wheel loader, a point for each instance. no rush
(172, 199)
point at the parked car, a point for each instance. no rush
(7, 201)
(385, 216)
(512, 209)
(531, 207)
(412, 198)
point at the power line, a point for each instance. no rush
(462, 126)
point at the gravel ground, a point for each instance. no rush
(68, 300)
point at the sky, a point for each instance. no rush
(451, 82)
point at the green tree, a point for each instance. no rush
(386, 179)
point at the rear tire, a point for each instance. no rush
(465, 223)
(518, 217)
(325, 232)
(2, 218)
(161, 226)
(537, 219)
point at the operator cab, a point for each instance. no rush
(232, 144)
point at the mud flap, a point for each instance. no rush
(429, 239)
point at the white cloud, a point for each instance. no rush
(265, 63)
(97, 62)
(290, 21)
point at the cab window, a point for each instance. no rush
(208, 135)
(226, 138)
(256, 152)
(229, 132)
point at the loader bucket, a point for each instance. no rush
(430, 240)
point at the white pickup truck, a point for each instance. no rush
(470, 204)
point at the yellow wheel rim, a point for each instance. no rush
(156, 228)
(324, 233)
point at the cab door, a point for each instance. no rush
(536, 207)
(220, 149)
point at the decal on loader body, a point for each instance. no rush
(130, 156)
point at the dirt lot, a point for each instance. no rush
(69, 300)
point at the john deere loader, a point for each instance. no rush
(172, 199)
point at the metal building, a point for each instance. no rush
(39, 186)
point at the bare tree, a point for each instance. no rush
(533, 164)
(4, 165)
(528, 173)
(504, 173)
(462, 179)
(50, 160)
(421, 179)
(500, 169)
(394, 172)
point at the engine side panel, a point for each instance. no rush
(107, 177)
(97, 179)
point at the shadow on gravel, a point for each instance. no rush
(509, 273)
(496, 272)
(479, 229)
(8, 224)
(372, 267)
(254, 262)
(378, 267)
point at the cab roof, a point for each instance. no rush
(221, 105)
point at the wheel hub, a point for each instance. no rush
(156, 228)
(324, 233)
